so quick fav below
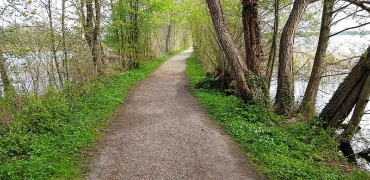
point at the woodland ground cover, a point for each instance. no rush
(281, 150)
(49, 138)
(246, 42)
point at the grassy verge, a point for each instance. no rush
(282, 150)
(45, 140)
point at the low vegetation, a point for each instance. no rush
(46, 139)
(282, 149)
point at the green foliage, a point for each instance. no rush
(46, 138)
(7, 111)
(137, 25)
(282, 150)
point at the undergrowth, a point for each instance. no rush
(281, 150)
(45, 139)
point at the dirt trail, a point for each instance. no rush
(161, 132)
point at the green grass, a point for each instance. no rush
(46, 139)
(281, 150)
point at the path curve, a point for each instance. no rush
(161, 132)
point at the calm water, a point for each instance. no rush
(29, 72)
(361, 141)
(342, 46)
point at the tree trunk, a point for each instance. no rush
(133, 37)
(284, 101)
(81, 11)
(96, 43)
(5, 78)
(89, 24)
(168, 37)
(272, 55)
(65, 62)
(53, 48)
(348, 152)
(9, 90)
(252, 35)
(122, 38)
(307, 106)
(348, 104)
(136, 29)
(92, 33)
(235, 60)
(345, 97)
(357, 113)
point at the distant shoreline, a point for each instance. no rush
(354, 33)
(348, 33)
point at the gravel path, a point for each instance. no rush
(161, 132)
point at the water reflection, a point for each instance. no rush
(361, 140)
(31, 73)
(340, 47)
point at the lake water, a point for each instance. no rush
(31, 72)
(341, 46)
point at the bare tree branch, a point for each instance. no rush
(329, 75)
(349, 15)
(354, 27)
(341, 8)
(342, 60)
(361, 4)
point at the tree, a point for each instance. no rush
(235, 60)
(96, 46)
(91, 26)
(168, 37)
(252, 35)
(117, 36)
(64, 46)
(9, 90)
(143, 29)
(272, 54)
(307, 106)
(5, 78)
(358, 113)
(53, 48)
(134, 31)
(365, 5)
(284, 99)
(347, 94)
